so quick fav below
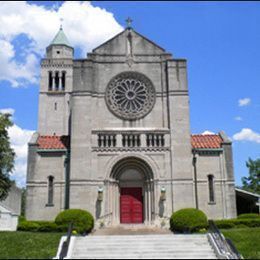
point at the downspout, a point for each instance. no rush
(169, 126)
(194, 163)
(67, 179)
(67, 164)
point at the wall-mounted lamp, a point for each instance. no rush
(100, 194)
(163, 194)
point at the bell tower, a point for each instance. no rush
(56, 87)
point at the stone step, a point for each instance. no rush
(142, 252)
(142, 247)
(147, 241)
(132, 247)
(183, 248)
(148, 256)
(145, 236)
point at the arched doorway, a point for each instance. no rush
(131, 192)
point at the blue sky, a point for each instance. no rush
(220, 40)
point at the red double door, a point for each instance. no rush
(131, 205)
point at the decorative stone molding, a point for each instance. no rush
(130, 149)
(57, 63)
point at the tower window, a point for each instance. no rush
(57, 81)
(63, 80)
(55, 106)
(50, 80)
(211, 188)
(50, 190)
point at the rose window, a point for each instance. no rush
(130, 95)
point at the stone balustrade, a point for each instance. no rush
(109, 139)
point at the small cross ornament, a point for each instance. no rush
(61, 21)
(129, 22)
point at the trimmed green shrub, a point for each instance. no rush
(48, 227)
(21, 219)
(237, 223)
(249, 216)
(188, 220)
(225, 223)
(28, 226)
(83, 221)
(40, 226)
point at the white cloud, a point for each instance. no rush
(244, 102)
(207, 132)
(86, 27)
(19, 138)
(7, 111)
(13, 71)
(246, 134)
(238, 118)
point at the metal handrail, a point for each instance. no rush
(225, 246)
(232, 246)
(66, 243)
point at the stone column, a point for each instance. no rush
(60, 81)
(143, 140)
(149, 202)
(117, 199)
(113, 203)
(53, 81)
(152, 200)
(109, 202)
(118, 140)
(146, 203)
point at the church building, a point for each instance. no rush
(114, 138)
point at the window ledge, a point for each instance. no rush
(212, 203)
(49, 205)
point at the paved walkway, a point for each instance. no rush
(130, 229)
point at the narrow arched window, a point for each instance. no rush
(50, 80)
(63, 80)
(57, 81)
(50, 190)
(211, 188)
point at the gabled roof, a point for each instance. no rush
(200, 141)
(47, 142)
(60, 39)
(140, 44)
(247, 193)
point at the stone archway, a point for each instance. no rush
(131, 184)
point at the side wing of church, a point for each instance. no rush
(114, 138)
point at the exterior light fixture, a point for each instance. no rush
(100, 194)
(163, 194)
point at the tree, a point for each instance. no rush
(7, 156)
(252, 183)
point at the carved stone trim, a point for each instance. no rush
(130, 149)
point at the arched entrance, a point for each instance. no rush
(131, 192)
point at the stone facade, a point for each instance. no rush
(125, 112)
(10, 209)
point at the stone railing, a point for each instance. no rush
(110, 140)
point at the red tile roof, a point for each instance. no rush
(53, 142)
(206, 141)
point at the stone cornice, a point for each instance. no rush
(130, 149)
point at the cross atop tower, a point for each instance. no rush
(129, 22)
(61, 21)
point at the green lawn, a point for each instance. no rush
(24, 245)
(246, 240)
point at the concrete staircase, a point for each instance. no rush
(141, 247)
